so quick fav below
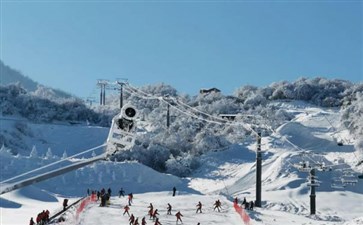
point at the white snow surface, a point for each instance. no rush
(223, 175)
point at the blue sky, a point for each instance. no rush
(187, 44)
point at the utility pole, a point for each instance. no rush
(102, 84)
(312, 192)
(104, 94)
(258, 171)
(121, 93)
(168, 117)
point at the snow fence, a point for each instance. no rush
(245, 217)
(84, 203)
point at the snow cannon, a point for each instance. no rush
(122, 131)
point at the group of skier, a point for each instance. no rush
(245, 204)
(42, 218)
(104, 196)
(153, 214)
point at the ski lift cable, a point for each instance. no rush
(246, 126)
(292, 144)
(54, 163)
(197, 110)
(178, 109)
(180, 103)
(177, 102)
(188, 113)
(131, 91)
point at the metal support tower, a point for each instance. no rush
(168, 117)
(258, 171)
(312, 192)
(102, 84)
(121, 93)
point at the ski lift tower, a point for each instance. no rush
(121, 82)
(258, 170)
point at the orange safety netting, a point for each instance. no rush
(246, 219)
(85, 202)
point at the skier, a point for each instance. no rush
(109, 191)
(143, 221)
(65, 204)
(235, 201)
(199, 207)
(178, 217)
(132, 219)
(174, 191)
(151, 210)
(157, 222)
(46, 216)
(169, 209)
(126, 208)
(155, 213)
(251, 205)
(121, 193)
(31, 221)
(136, 222)
(244, 201)
(217, 205)
(130, 196)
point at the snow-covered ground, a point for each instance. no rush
(223, 175)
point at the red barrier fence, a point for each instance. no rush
(84, 203)
(246, 219)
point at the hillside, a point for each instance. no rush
(311, 136)
(9, 75)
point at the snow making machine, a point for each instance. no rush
(122, 131)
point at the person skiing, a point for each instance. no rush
(174, 191)
(121, 193)
(169, 209)
(244, 201)
(199, 207)
(251, 205)
(31, 221)
(65, 204)
(235, 201)
(136, 222)
(46, 216)
(109, 191)
(217, 205)
(143, 221)
(157, 222)
(132, 219)
(151, 210)
(126, 208)
(178, 217)
(154, 214)
(130, 196)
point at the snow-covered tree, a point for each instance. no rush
(33, 152)
(49, 154)
(64, 154)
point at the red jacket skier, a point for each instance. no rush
(126, 208)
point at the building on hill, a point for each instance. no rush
(210, 90)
